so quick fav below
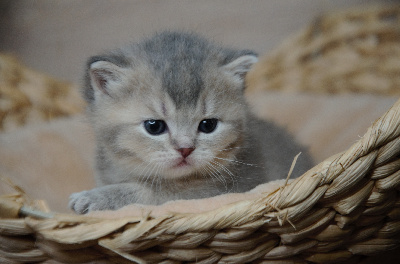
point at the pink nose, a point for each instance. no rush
(185, 151)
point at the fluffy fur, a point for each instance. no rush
(181, 80)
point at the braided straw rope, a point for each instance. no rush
(356, 50)
(346, 207)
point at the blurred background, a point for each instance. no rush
(56, 37)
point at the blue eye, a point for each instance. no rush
(155, 127)
(208, 125)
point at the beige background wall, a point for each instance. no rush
(57, 36)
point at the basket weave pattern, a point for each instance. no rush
(346, 207)
(350, 51)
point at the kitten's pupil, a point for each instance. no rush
(208, 125)
(155, 127)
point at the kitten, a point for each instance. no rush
(171, 122)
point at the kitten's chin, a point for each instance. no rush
(179, 170)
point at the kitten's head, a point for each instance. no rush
(170, 106)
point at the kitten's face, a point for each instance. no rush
(170, 107)
(151, 135)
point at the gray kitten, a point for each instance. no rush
(171, 123)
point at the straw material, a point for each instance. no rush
(27, 96)
(350, 51)
(346, 207)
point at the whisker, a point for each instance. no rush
(236, 161)
(142, 173)
(149, 172)
(209, 173)
(225, 169)
(239, 162)
(159, 181)
(156, 167)
(218, 175)
(144, 177)
(226, 149)
(159, 178)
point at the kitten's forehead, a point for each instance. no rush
(209, 101)
(189, 98)
(181, 113)
(188, 70)
(179, 60)
(183, 84)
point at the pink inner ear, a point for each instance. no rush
(101, 78)
(241, 66)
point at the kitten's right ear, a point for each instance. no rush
(103, 77)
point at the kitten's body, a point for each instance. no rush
(171, 123)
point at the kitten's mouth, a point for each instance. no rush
(183, 163)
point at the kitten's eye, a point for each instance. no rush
(155, 127)
(208, 125)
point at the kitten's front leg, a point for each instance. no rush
(108, 197)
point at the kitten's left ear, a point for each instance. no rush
(241, 66)
(104, 75)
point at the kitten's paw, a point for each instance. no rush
(86, 201)
(109, 197)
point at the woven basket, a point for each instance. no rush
(346, 207)
(350, 51)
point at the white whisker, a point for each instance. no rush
(228, 172)
(226, 149)
(217, 175)
(143, 172)
(225, 169)
(235, 161)
(154, 176)
(149, 172)
(209, 173)
(159, 178)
